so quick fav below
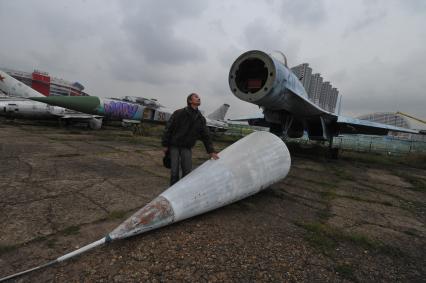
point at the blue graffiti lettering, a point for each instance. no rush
(120, 110)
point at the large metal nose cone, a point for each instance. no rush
(244, 168)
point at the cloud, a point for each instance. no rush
(370, 16)
(152, 32)
(303, 13)
(383, 86)
(372, 51)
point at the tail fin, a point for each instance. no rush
(13, 87)
(219, 114)
(339, 106)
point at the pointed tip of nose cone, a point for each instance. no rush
(85, 104)
(155, 214)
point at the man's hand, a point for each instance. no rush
(214, 155)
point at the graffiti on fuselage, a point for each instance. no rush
(119, 109)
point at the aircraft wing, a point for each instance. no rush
(82, 116)
(254, 120)
(349, 125)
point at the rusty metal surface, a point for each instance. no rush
(155, 214)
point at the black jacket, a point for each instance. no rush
(184, 127)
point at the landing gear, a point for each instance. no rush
(137, 129)
(334, 152)
(282, 129)
(287, 125)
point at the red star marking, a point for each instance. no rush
(1, 78)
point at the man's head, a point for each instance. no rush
(193, 100)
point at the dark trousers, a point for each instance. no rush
(180, 158)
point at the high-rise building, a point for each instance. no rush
(324, 98)
(334, 95)
(321, 93)
(304, 73)
(315, 88)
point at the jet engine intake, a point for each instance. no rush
(259, 78)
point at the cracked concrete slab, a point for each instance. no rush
(61, 189)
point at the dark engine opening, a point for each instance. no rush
(251, 75)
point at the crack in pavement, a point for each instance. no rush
(47, 197)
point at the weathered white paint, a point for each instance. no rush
(244, 168)
(13, 87)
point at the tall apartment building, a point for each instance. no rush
(304, 73)
(324, 98)
(334, 95)
(315, 88)
(321, 93)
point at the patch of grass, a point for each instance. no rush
(324, 215)
(369, 158)
(67, 155)
(390, 251)
(311, 150)
(51, 243)
(386, 203)
(328, 195)
(346, 271)
(105, 153)
(410, 233)
(142, 151)
(278, 194)
(318, 237)
(117, 214)
(357, 239)
(325, 238)
(71, 230)
(154, 172)
(342, 174)
(417, 184)
(59, 139)
(417, 160)
(320, 183)
(7, 248)
(246, 205)
(225, 138)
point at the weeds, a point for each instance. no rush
(117, 214)
(7, 248)
(71, 230)
(417, 184)
(346, 271)
(325, 239)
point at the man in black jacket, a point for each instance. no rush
(184, 127)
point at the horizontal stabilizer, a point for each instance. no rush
(356, 126)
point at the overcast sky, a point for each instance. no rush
(373, 51)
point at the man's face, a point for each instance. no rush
(195, 100)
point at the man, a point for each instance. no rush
(184, 127)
